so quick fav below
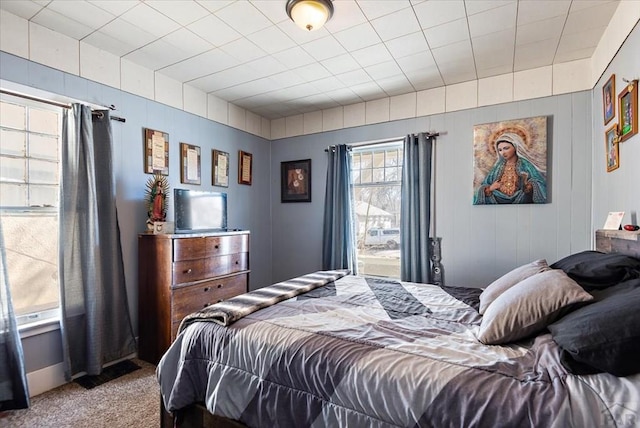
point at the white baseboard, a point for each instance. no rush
(45, 379)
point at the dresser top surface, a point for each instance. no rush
(193, 234)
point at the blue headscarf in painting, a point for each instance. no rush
(527, 171)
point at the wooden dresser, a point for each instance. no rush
(182, 273)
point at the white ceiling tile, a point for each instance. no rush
(312, 72)
(383, 70)
(273, 10)
(324, 48)
(343, 96)
(214, 5)
(224, 79)
(396, 24)
(346, 14)
(183, 12)
(534, 55)
(437, 12)
(357, 37)
(200, 65)
(328, 84)
(541, 10)
(61, 24)
(150, 20)
(540, 30)
(407, 45)
(355, 77)
(395, 85)
(266, 66)
(367, 91)
(453, 52)
(418, 61)
(119, 37)
(589, 18)
(457, 72)
(243, 50)
(286, 79)
(501, 42)
(376, 8)
(340, 64)
(244, 90)
(83, 12)
(493, 20)
(271, 40)
(294, 57)
(372, 55)
(174, 47)
(478, 6)
(26, 9)
(214, 31)
(117, 7)
(586, 4)
(579, 41)
(496, 70)
(425, 78)
(446, 34)
(573, 55)
(243, 17)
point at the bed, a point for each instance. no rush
(338, 350)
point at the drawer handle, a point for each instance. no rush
(207, 289)
(219, 285)
(205, 305)
(217, 246)
(237, 262)
(187, 271)
(220, 300)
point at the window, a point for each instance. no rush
(376, 174)
(29, 199)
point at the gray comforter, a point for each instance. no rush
(362, 352)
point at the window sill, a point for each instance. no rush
(39, 327)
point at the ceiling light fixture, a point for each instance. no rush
(310, 15)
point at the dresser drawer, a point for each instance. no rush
(210, 246)
(194, 297)
(198, 270)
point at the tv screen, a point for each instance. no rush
(197, 211)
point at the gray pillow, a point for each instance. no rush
(508, 280)
(529, 307)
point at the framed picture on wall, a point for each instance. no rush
(220, 170)
(245, 166)
(612, 152)
(190, 164)
(608, 99)
(156, 152)
(628, 107)
(295, 181)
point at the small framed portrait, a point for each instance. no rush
(612, 152)
(220, 171)
(245, 166)
(189, 164)
(156, 152)
(608, 99)
(295, 181)
(628, 107)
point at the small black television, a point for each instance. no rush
(199, 211)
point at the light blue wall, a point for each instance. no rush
(618, 190)
(479, 243)
(248, 206)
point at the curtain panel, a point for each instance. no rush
(14, 392)
(96, 325)
(338, 238)
(415, 209)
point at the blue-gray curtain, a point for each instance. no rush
(415, 210)
(14, 393)
(96, 326)
(338, 238)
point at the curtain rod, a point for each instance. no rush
(59, 104)
(383, 141)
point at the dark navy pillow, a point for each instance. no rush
(595, 270)
(603, 336)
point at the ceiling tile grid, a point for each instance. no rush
(249, 53)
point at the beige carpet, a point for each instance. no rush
(130, 401)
